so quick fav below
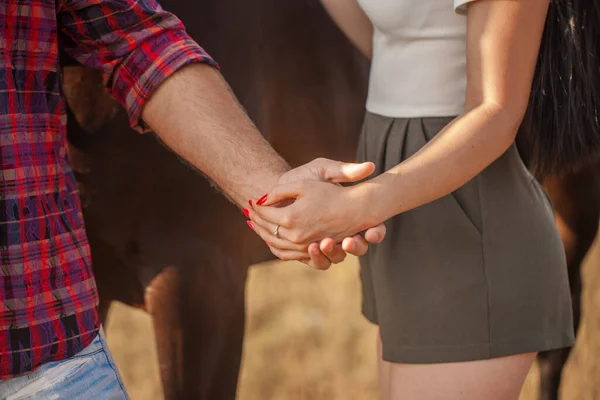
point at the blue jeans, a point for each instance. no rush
(90, 374)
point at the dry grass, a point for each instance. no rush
(307, 340)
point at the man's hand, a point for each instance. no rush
(322, 255)
(323, 169)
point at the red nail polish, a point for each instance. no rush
(246, 213)
(261, 201)
(250, 224)
(250, 202)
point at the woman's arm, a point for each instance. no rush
(503, 39)
(351, 19)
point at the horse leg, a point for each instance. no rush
(114, 279)
(198, 317)
(576, 198)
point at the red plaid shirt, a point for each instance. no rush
(48, 294)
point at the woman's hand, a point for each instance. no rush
(319, 211)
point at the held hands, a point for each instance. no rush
(310, 218)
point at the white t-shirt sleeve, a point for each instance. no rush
(460, 6)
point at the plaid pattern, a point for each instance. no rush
(48, 296)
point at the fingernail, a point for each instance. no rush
(246, 213)
(250, 202)
(250, 224)
(261, 201)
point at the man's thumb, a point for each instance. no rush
(349, 172)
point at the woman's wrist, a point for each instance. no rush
(379, 199)
(364, 204)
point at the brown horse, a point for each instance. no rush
(162, 239)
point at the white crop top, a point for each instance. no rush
(419, 57)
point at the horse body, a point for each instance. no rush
(162, 238)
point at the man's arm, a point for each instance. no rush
(210, 130)
(137, 45)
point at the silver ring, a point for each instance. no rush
(276, 232)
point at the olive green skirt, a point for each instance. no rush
(478, 274)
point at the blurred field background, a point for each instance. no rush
(306, 339)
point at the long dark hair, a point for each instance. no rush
(561, 129)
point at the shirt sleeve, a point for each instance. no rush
(460, 6)
(135, 43)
